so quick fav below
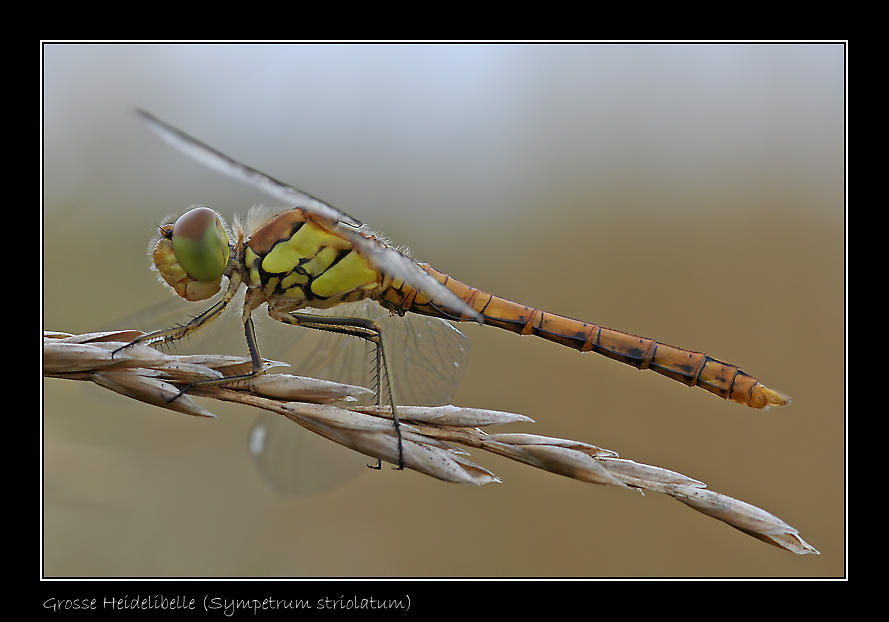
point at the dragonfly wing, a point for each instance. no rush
(211, 158)
(297, 462)
(429, 357)
(382, 256)
(388, 260)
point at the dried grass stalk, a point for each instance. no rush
(430, 434)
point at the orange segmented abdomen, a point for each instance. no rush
(690, 368)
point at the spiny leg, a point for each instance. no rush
(255, 359)
(169, 335)
(362, 328)
(177, 333)
(251, 300)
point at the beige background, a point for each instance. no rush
(693, 194)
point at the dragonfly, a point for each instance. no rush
(311, 256)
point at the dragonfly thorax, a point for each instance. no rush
(297, 260)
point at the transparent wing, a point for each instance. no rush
(429, 357)
(388, 260)
(208, 156)
(382, 256)
(295, 461)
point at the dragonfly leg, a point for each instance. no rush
(176, 333)
(255, 359)
(170, 335)
(362, 328)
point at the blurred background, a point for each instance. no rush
(689, 193)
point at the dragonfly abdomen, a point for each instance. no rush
(685, 366)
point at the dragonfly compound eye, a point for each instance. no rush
(192, 254)
(200, 244)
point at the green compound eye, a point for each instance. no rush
(200, 244)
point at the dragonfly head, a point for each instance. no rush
(192, 254)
